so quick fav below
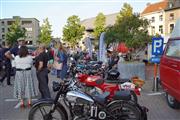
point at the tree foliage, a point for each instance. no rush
(45, 32)
(15, 32)
(73, 31)
(126, 11)
(99, 24)
(129, 29)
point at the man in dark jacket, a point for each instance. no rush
(41, 62)
(6, 63)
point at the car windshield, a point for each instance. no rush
(173, 49)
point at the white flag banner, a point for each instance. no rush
(102, 48)
(88, 44)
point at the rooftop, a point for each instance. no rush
(155, 7)
(89, 23)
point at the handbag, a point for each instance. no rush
(57, 66)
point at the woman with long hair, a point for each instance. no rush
(24, 84)
(63, 57)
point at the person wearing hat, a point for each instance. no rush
(11, 53)
(14, 50)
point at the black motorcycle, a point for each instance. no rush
(71, 103)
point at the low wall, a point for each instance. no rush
(130, 69)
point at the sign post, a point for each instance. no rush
(157, 50)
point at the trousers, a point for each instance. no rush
(43, 79)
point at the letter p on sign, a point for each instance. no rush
(157, 46)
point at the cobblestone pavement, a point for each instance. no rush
(158, 108)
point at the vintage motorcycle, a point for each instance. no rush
(71, 103)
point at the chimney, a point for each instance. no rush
(148, 4)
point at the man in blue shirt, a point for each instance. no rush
(14, 50)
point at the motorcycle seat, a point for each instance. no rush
(122, 95)
(101, 98)
(118, 81)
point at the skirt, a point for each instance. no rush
(24, 87)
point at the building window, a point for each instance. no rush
(171, 27)
(26, 22)
(171, 16)
(3, 36)
(153, 30)
(28, 29)
(29, 35)
(3, 30)
(161, 18)
(2, 23)
(153, 19)
(170, 5)
(161, 29)
(10, 22)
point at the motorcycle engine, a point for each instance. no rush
(81, 110)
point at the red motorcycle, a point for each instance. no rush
(97, 83)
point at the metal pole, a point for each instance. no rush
(155, 86)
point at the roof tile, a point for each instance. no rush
(155, 7)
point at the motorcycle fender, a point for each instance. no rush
(51, 102)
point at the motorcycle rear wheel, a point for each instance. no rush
(124, 111)
(41, 111)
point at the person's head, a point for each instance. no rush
(41, 48)
(109, 52)
(23, 51)
(61, 47)
(21, 41)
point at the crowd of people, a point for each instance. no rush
(16, 61)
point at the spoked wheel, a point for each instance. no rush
(125, 111)
(41, 112)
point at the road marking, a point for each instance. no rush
(14, 100)
(156, 93)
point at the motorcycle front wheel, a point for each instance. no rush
(125, 111)
(41, 112)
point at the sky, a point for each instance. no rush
(58, 11)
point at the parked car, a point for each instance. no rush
(170, 69)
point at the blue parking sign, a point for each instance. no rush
(157, 45)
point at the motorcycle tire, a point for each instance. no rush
(124, 111)
(41, 111)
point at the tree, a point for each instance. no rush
(73, 31)
(99, 24)
(45, 32)
(129, 28)
(126, 11)
(15, 32)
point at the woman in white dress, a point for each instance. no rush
(24, 82)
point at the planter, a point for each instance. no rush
(131, 69)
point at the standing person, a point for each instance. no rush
(11, 53)
(14, 50)
(63, 59)
(112, 59)
(7, 63)
(24, 84)
(42, 72)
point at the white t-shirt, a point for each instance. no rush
(23, 62)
